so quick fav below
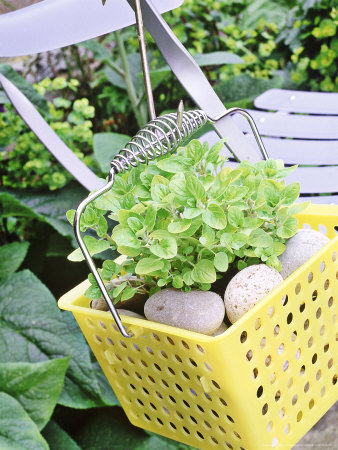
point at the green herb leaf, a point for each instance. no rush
(94, 246)
(148, 265)
(195, 188)
(166, 248)
(235, 217)
(191, 213)
(221, 262)
(288, 229)
(125, 237)
(57, 438)
(204, 272)
(150, 218)
(179, 226)
(174, 164)
(214, 217)
(259, 238)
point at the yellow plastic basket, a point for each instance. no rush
(263, 383)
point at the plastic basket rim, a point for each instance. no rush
(66, 302)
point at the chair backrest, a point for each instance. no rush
(299, 128)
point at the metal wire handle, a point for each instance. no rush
(160, 136)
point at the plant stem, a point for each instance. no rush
(141, 120)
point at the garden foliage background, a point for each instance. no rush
(52, 392)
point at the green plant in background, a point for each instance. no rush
(24, 161)
(184, 219)
(311, 38)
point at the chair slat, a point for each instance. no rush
(298, 101)
(292, 151)
(292, 125)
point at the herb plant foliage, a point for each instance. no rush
(185, 218)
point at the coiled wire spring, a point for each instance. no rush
(160, 136)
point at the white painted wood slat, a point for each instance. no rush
(298, 101)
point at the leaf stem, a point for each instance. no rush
(141, 120)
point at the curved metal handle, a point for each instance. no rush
(86, 253)
(252, 124)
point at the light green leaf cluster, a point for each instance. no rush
(185, 218)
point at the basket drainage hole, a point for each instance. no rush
(286, 366)
(201, 349)
(310, 277)
(172, 371)
(259, 391)
(322, 266)
(311, 403)
(157, 367)
(334, 256)
(318, 313)
(299, 416)
(322, 391)
(310, 342)
(265, 409)
(90, 323)
(186, 403)
(298, 353)
(159, 421)
(170, 340)
(274, 442)
(140, 402)
(326, 284)
(166, 410)
(285, 300)
(185, 429)
(287, 429)
(136, 347)
(314, 295)
(243, 337)
(207, 424)
(193, 419)
(330, 302)
(330, 363)
(318, 375)
(327, 346)
(214, 439)
(193, 362)
(281, 349)
(294, 399)
(289, 318)
(178, 358)
(269, 426)
(268, 360)
(282, 413)
(193, 392)
(314, 358)
(334, 379)
(258, 324)
(276, 330)
(185, 345)
(147, 417)
(215, 413)
(277, 396)
(172, 399)
(221, 429)
(103, 325)
(263, 342)
(200, 435)
(249, 355)
(306, 324)
(98, 338)
(172, 425)
(153, 406)
(254, 373)
(302, 307)
(156, 337)
(306, 387)
(228, 444)
(294, 336)
(298, 288)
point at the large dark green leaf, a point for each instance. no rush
(100, 52)
(49, 207)
(57, 438)
(33, 329)
(36, 386)
(11, 257)
(106, 146)
(17, 430)
(108, 428)
(27, 89)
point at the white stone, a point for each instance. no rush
(126, 312)
(221, 329)
(199, 311)
(248, 287)
(300, 248)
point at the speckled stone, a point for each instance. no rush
(199, 311)
(126, 312)
(248, 287)
(299, 249)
